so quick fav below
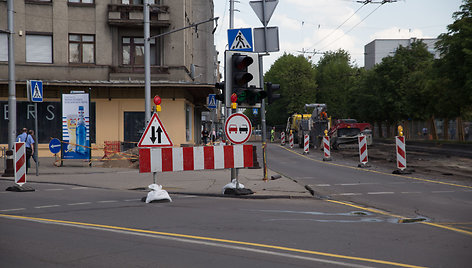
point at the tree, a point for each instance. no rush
(297, 79)
(455, 66)
(336, 78)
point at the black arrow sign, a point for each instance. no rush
(153, 135)
(159, 131)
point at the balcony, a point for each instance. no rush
(132, 15)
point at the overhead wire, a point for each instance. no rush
(324, 38)
(352, 28)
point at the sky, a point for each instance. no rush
(329, 25)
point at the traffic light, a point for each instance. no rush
(241, 76)
(220, 97)
(271, 88)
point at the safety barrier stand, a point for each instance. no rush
(290, 140)
(306, 143)
(282, 138)
(363, 156)
(20, 169)
(326, 147)
(401, 153)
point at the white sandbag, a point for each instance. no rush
(232, 185)
(157, 194)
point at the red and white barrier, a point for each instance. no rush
(282, 138)
(20, 163)
(363, 157)
(290, 140)
(401, 152)
(306, 144)
(195, 158)
(326, 149)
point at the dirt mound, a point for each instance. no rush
(127, 159)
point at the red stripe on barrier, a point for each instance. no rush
(22, 179)
(209, 157)
(363, 148)
(17, 148)
(401, 152)
(21, 162)
(144, 160)
(187, 153)
(228, 156)
(167, 159)
(400, 165)
(248, 154)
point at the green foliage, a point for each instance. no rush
(297, 79)
(454, 69)
(336, 78)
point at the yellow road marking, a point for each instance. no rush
(213, 240)
(379, 172)
(443, 226)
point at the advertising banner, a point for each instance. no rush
(75, 126)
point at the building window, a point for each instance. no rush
(81, 1)
(81, 48)
(3, 47)
(188, 122)
(39, 48)
(35, 1)
(133, 51)
(136, 2)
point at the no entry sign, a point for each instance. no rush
(238, 128)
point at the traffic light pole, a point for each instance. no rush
(263, 119)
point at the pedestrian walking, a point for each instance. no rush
(205, 136)
(29, 141)
(34, 156)
(272, 134)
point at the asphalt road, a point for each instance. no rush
(62, 225)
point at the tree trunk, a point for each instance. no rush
(388, 130)
(460, 129)
(432, 127)
(379, 124)
(446, 129)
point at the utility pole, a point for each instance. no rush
(147, 63)
(11, 79)
(9, 169)
(234, 171)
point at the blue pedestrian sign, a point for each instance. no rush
(55, 146)
(240, 39)
(254, 111)
(212, 101)
(36, 90)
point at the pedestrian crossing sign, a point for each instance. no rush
(35, 90)
(240, 39)
(212, 101)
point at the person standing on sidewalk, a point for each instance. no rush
(28, 140)
(31, 133)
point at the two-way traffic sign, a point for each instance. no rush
(155, 134)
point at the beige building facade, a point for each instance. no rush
(97, 46)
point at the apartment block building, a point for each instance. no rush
(97, 46)
(378, 49)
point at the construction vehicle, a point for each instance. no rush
(314, 126)
(344, 133)
(293, 124)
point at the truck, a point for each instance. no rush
(293, 125)
(344, 133)
(315, 125)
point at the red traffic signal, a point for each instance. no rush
(157, 100)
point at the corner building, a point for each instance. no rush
(97, 46)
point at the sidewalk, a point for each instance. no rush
(204, 182)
